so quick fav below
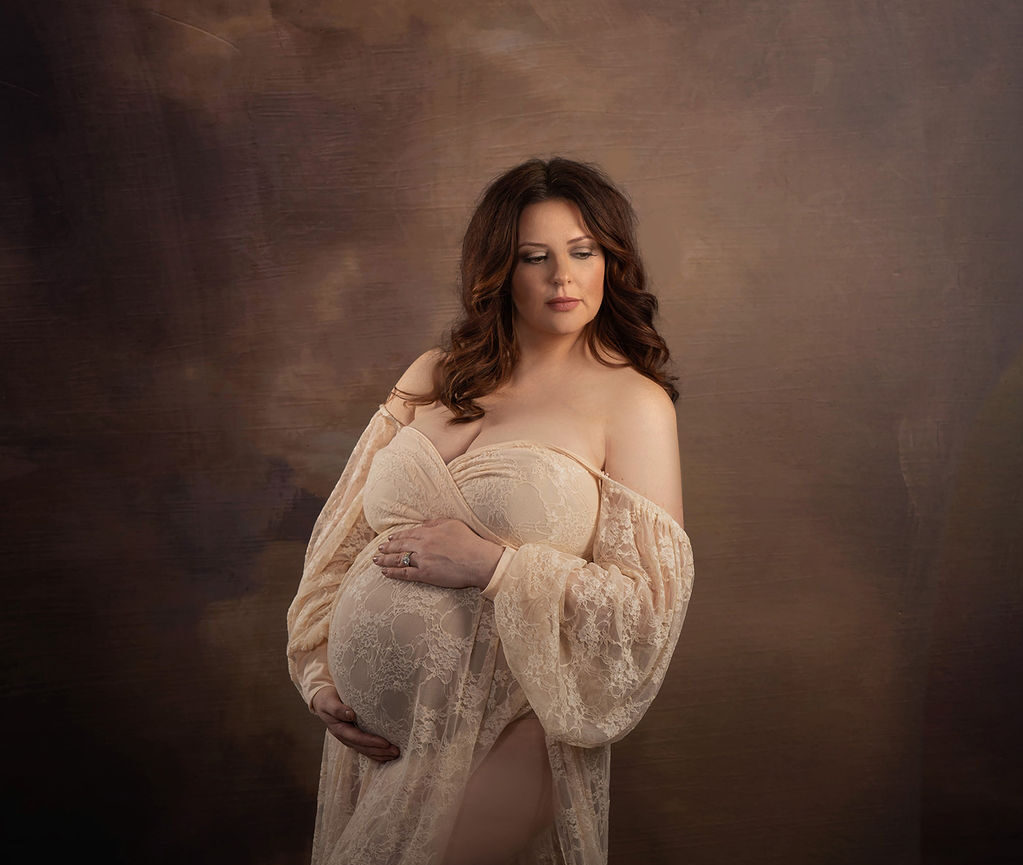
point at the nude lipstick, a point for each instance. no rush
(563, 304)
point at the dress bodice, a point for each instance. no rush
(518, 491)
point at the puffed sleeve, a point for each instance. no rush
(590, 642)
(338, 536)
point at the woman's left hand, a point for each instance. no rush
(444, 553)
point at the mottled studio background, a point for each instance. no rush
(229, 226)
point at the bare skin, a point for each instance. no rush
(508, 800)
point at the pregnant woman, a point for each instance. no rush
(494, 588)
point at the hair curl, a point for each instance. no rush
(481, 350)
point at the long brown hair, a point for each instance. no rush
(481, 350)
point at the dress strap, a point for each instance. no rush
(574, 456)
(387, 413)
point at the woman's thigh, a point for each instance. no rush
(508, 799)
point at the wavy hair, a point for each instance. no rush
(480, 350)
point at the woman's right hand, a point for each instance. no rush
(341, 722)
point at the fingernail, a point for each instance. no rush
(376, 558)
(390, 537)
(381, 548)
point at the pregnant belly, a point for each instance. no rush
(397, 651)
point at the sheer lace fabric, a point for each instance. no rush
(578, 628)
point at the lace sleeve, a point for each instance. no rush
(590, 642)
(339, 534)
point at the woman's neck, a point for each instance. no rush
(551, 354)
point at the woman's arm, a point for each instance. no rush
(642, 445)
(590, 642)
(416, 380)
(338, 535)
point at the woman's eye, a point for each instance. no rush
(539, 259)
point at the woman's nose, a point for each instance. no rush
(561, 274)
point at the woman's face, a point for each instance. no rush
(558, 281)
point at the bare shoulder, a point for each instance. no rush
(418, 379)
(642, 440)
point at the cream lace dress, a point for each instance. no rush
(577, 625)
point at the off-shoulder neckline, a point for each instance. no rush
(602, 475)
(508, 443)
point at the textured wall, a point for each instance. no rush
(229, 226)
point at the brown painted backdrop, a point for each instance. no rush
(230, 226)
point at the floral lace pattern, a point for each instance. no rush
(580, 632)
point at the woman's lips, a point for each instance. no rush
(563, 304)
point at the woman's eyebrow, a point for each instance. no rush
(573, 240)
